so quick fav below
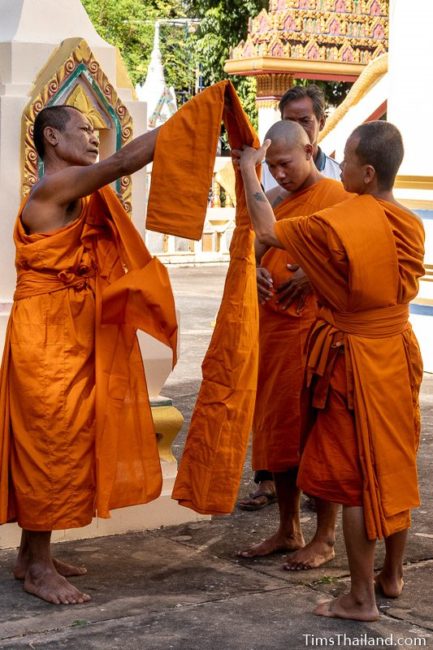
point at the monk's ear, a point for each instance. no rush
(369, 174)
(308, 148)
(51, 135)
(322, 122)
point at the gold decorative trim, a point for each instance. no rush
(168, 421)
(59, 78)
(414, 182)
(319, 31)
(79, 99)
(369, 76)
(122, 76)
(415, 204)
(422, 301)
(255, 65)
(273, 85)
(267, 103)
(428, 277)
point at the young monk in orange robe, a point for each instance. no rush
(282, 345)
(77, 436)
(364, 258)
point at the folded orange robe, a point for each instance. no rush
(183, 164)
(282, 345)
(364, 257)
(77, 436)
(211, 466)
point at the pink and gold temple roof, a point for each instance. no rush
(320, 39)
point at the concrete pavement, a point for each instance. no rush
(184, 588)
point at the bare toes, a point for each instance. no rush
(324, 609)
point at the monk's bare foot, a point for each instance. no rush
(313, 555)
(278, 543)
(391, 587)
(66, 570)
(43, 581)
(347, 607)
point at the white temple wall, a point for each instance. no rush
(267, 117)
(411, 81)
(10, 181)
(409, 107)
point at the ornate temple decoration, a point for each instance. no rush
(72, 76)
(369, 76)
(313, 39)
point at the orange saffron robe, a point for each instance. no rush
(282, 345)
(211, 465)
(364, 258)
(76, 431)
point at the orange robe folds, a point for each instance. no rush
(77, 436)
(183, 164)
(211, 466)
(364, 259)
(282, 345)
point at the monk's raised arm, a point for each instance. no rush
(259, 208)
(73, 182)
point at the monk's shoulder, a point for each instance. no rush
(323, 194)
(328, 192)
(409, 214)
(404, 219)
(337, 210)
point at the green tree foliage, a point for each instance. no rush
(194, 52)
(129, 24)
(223, 24)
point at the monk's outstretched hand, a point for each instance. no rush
(248, 156)
(297, 289)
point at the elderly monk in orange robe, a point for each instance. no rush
(364, 258)
(72, 375)
(284, 326)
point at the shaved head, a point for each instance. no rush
(290, 156)
(380, 145)
(54, 116)
(287, 133)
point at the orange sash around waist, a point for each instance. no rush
(371, 323)
(329, 332)
(36, 283)
(377, 347)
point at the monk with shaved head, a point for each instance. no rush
(76, 431)
(364, 258)
(285, 320)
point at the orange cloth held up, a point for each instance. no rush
(183, 165)
(282, 345)
(364, 258)
(77, 436)
(211, 466)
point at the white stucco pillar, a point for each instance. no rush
(411, 81)
(409, 108)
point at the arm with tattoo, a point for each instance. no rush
(259, 208)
